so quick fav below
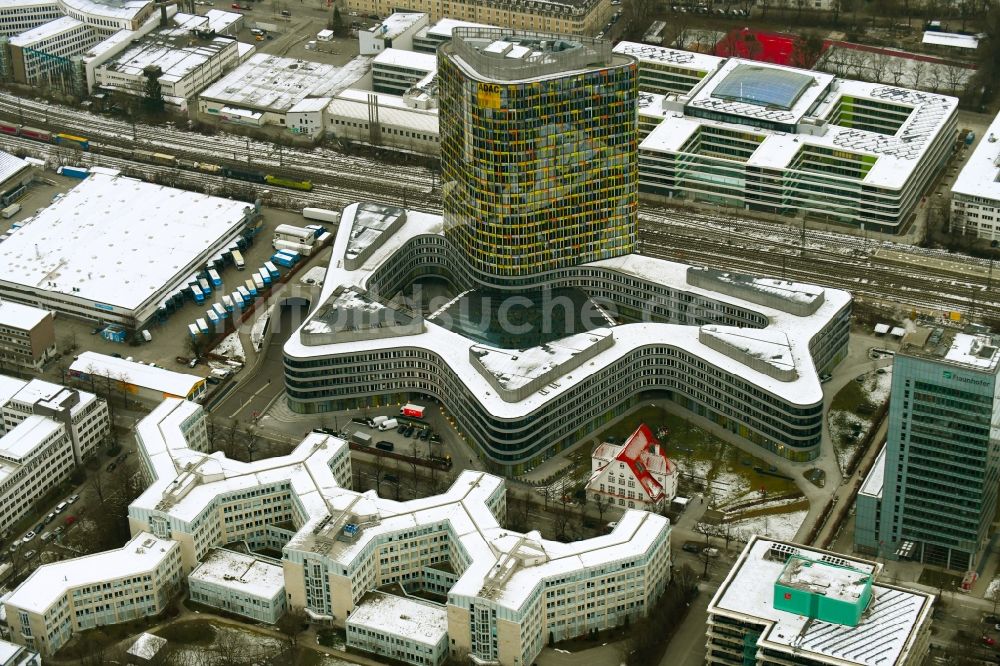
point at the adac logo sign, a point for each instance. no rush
(488, 95)
(948, 374)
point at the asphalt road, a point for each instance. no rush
(252, 396)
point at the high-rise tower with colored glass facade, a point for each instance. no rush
(539, 143)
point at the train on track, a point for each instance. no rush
(83, 143)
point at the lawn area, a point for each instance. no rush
(193, 632)
(701, 457)
(852, 412)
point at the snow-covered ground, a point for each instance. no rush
(781, 526)
(231, 347)
(844, 423)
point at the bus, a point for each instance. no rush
(287, 232)
(238, 260)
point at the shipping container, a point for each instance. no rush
(237, 299)
(245, 295)
(264, 276)
(220, 310)
(251, 287)
(213, 318)
(10, 211)
(258, 281)
(283, 260)
(287, 232)
(193, 330)
(203, 326)
(228, 303)
(291, 254)
(205, 286)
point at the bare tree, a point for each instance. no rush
(918, 69)
(378, 467)
(602, 504)
(251, 437)
(879, 63)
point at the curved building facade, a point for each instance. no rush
(693, 336)
(539, 152)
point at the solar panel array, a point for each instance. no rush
(908, 143)
(744, 109)
(883, 628)
(660, 54)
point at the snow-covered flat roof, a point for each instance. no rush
(272, 83)
(10, 166)
(310, 104)
(353, 105)
(396, 24)
(99, 242)
(49, 582)
(424, 62)
(898, 155)
(38, 390)
(175, 49)
(872, 484)
(980, 177)
(647, 53)
(21, 316)
(244, 573)
(119, 9)
(416, 621)
(952, 39)
(26, 436)
(9, 387)
(46, 30)
(28, 3)
(444, 27)
(887, 632)
(139, 374)
(454, 348)
(976, 352)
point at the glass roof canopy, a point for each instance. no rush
(763, 86)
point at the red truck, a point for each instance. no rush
(413, 411)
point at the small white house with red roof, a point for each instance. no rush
(633, 475)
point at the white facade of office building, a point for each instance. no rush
(975, 196)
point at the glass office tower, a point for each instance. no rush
(539, 141)
(940, 484)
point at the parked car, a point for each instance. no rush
(989, 640)
(111, 467)
(49, 518)
(39, 527)
(424, 434)
(30, 554)
(691, 547)
(991, 619)
(58, 530)
(402, 428)
(72, 498)
(825, 377)
(14, 546)
(28, 537)
(48, 536)
(710, 552)
(409, 431)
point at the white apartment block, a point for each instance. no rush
(40, 56)
(636, 474)
(47, 431)
(503, 593)
(247, 585)
(784, 603)
(108, 18)
(975, 196)
(17, 16)
(395, 71)
(84, 415)
(59, 599)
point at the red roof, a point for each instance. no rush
(638, 454)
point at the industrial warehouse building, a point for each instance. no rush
(190, 54)
(264, 89)
(91, 254)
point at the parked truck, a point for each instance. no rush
(321, 214)
(291, 246)
(413, 411)
(10, 211)
(388, 424)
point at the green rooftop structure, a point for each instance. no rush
(822, 590)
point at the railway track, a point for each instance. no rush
(935, 281)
